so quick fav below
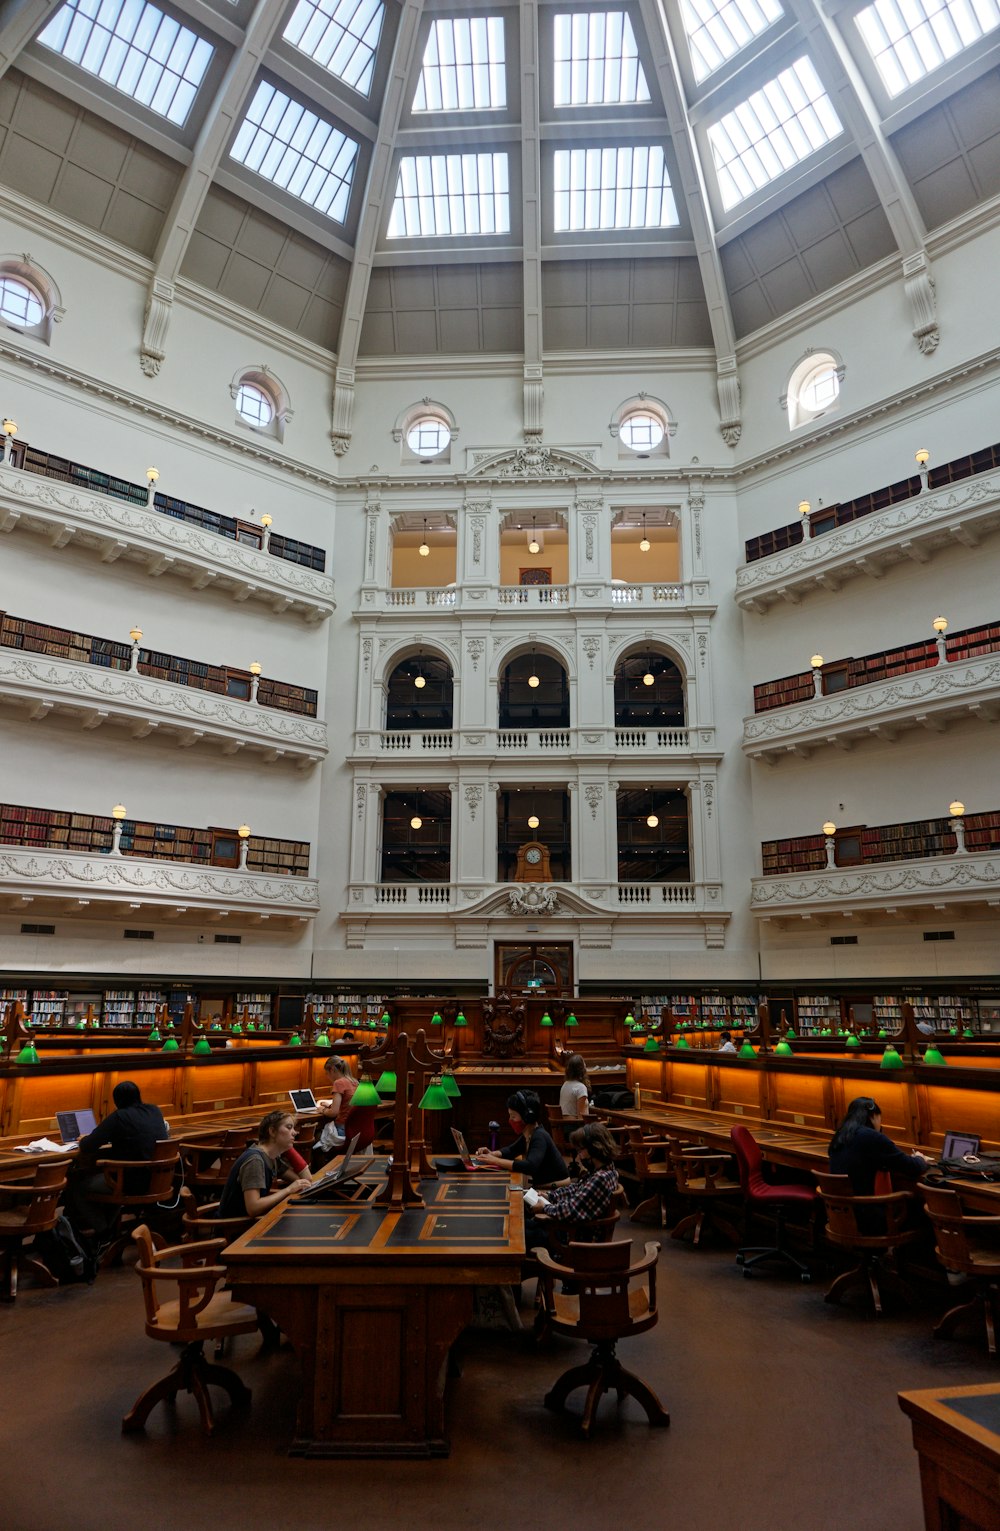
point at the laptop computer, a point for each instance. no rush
(957, 1144)
(346, 1170)
(74, 1125)
(468, 1162)
(302, 1100)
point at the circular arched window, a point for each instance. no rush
(813, 388)
(254, 406)
(640, 431)
(20, 305)
(427, 436)
(820, 388)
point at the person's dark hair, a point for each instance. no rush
(576, 1069)
(126, 1094)
(725, 1036)
(528, 1106)
(597, 1141)
(859, 1114)
(270, 1125)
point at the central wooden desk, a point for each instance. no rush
(373, 1301)
(956, 1432)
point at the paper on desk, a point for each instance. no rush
(40, 1146)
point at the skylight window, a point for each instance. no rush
(614, 188)
(596, 60)
(339, 35)
(134, 48)
(719, 29)
(909, 40)
(443, 194)
(463, 68)
(293, 148)
(778, 127)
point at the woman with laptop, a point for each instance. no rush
(532, 1152)
(333, 1111)
(860, 1149)
(250, 1189)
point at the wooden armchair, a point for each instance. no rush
(608, 1301)
(201, 1220)
(27, 1208)
(196, 1313)
(133, 1184)
(955, 1232)
(704, 1182)
(868, 1226)
(651, 1172)
(206, 1162)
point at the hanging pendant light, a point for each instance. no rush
(652, 817)
(533, 680)
(420, 680)
(645, 544)
(534, 546)
(424, 548)
(649, 679)
(532, 820)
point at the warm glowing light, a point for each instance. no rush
(940, 624)
(533, 821)
(424, 548)
(10, 427)
(829, 829)
(420, 681)
(652, 820)
(119, 811)
(923, 457)
(534, 546)
(255, 667)
(265, 521)
(244, 831)
(152, 474)
(817, 661)
(804, 507)
(649, 679)
(416, 822)
(135, 633)
(956, 809)
(533, 681)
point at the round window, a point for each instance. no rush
(428, 436)
(20, 304)
(254, 406)
(641, 431)
(819, 389)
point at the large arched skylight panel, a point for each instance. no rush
(719, 29)
(780, 125)
(339, 35)
(134, 48)
(288, 145)
(613, 188)
(441, 195)
(596, 61)
(909, 40)
(464, 67)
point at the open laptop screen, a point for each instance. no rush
(302, 1100)
(74, 1125)
(958, 1144)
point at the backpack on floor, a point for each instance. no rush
(60, 1249)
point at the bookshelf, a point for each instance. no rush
(13, 997)
(48, 1006)
(348, 1010)
(807, 853)
(258, 1007)
(913, 841)
(814, 1012)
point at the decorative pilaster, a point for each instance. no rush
(159, 304)
(728, 383)
(477, 553)
(918, 283)
(343, 410)
(590, 539)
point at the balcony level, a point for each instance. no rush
(596, 597)
(471, 913)
(509, 745)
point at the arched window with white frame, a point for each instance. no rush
(425, 432)
(30, 303)
(642, 426)
(813, 388)
(261, 400)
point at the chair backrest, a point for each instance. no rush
(944, 1208)
(140, 1182)
(202, 1221)
(360, 1120)
(602, 1274)
(863, 1222)
(48, 1186)
(189, 1296)
(698, 1170)
(640, 1147)
(749, 1160)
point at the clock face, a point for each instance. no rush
(534, 856)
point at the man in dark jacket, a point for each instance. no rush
(129, 1132)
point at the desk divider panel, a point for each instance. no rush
(804, 1100)
(219, 1085)
(690, 1085)
(274, 1077)
(739, 1089)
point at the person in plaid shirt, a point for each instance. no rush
(585, 1199)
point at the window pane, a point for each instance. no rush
(641, 432)
(296, 150)
(339, 35)
(254, 406)
(448, 194)
(596, 61)
(427, 437)
(776, 128)
(718, 29)
(907, 39)
(19, 304)
(464, 67)
(612, 188)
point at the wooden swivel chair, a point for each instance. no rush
(201, 1221)
(197, 1313)
(954, 1232)
(703, 1181)
(595, 1230)
(869, 1226)
(651, 1172)
(32, 1207)
(768, 1200)
(361, 1120)
(609, 1302)
(133, 1184)
(206, 1162)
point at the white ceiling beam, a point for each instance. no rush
(19, 21)
(376, 194)
(531, 221)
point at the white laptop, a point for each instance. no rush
(302, 1101)
(74, 1125)
(346, 1170)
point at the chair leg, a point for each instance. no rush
(604, 1373)
(10, 1272)
(37, 1266)
(194, 1374)
(844, 1282)
(650, 1206)
(692, 1220)
(977, 1306)
(577, 1376)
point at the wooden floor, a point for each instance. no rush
(783, 1410)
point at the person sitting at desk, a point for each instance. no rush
(859, 1149)
(532, 1152)
(334, 1110)
(248, 1190)
(129, 1132)
(726, 1043)
(586, 1199)
(574, 1096)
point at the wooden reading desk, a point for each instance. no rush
(373, 1300)
(956, 1432)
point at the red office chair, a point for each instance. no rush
(360, 1120)
(775, 1200)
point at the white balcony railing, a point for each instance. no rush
(511, 743)
(132, 887)
(184, 715)
(605, 900)
(608, 595)
(888, 889)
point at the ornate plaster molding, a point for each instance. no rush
(533, 462)
(938, 879)
(113, 528)
(138, 699)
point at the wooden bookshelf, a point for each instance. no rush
(913, 841)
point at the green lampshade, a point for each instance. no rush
(449, 1085)
(546, 1019)
(783, 1050)
(366, 1095)
(882, 1033)
(171, 1045)
(251, 1025)
(682, 1042)
(154, 1035)
(652, 1045)
(630, 1019)
(294, 1040)
(435, 1097)
(95, 1023)
(237, 1028)
(215, 1026)
(385, 1084)
(852, 1041)
(437, 1019)
(968, 1034)
(953, 1031)
(934, 1056)
(790, 1034)
(746, 1051)
(321, 1039)
(28, 1053)
(571, 1020)
(383, 1019)
(202, 1046)
(891, 1059)
(460, 1019)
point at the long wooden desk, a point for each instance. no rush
(956, 1432)
(373, 1301)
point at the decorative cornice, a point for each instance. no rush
(139, 699)
(878, 709)
(533, 462)
(870, 544)
(939, 879)
(165, 545)
(61, 874)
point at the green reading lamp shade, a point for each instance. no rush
(746, 1051)
(449, 1085)
(783, 1050)
(155, 1035)
(968, 1034)
(934, 1056)
(28, 1053)
(251, 1025)
(295, 1040)
(366, 1095)
(546, 1020)
(790, 1034)
(171, 1045)
(237, 1028)
(385, 1084)
(435, 1097)
(217, 1026)
(437, 1019)
(630, 1019)
(652, 1045)
(882, 1033)
(851, 1040)
(682, 1042)
(202, 1046)
(460, 1019)
(891, 1059)
(571, 1020)
(321, 1039)
(383, 1019)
